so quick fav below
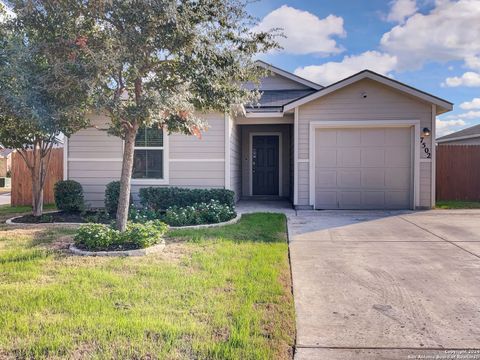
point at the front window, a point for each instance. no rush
(148, 155)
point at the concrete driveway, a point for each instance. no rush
(5, 198)
(386, 285)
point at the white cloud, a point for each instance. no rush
(401, 10)
(471, 79)
(305, 32)
(445, 127)
(469, 105)
(449, 32)
(467, 115)
(330, 72)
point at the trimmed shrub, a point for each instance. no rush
(201, 213)
(100, 237)
(162, 198)
(96, 237)
(139, 236)
(112, 192)
(69, 196)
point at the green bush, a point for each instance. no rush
(100, 237)
(97, 237)
(112, 192)
(201, 213)
(142, 215)
(162, 198)
(69, 196)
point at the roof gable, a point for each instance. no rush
(442, 105)
(284, 80)
(468, 133)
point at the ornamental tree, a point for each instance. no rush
(163, 62)
(45, 83)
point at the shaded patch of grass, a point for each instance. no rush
(227, 297)
(457, 204)
(7, 209)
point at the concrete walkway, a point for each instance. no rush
(385, 285)
(5, 198)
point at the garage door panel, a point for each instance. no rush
(372, 157)
(326, 158)
(397, 157)
(349, 137)
(373, 199)
(326, 199)
(350, 199)
(373, 137)
(348, 158)
(397, 199)
(397, 178)
(365, 168)
(326, 178)
(349, 178)
(326, 138)
(373, 178)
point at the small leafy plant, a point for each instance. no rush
(200, 213)
(100, 237)
(69, 196)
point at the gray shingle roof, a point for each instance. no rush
(471, 131)
(273, 100)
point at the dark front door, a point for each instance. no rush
(265, 167)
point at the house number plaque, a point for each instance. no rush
(425, 148)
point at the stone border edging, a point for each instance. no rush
(10, 222)
(193, 227)
(137, 252)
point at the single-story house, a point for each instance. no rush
(364, 142)
(468, 136)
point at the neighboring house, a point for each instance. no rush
(5, 161)
(356, 144)
(468, 136)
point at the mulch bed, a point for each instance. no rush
(62, 217)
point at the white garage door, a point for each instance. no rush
(363, 168)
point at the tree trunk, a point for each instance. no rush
(125, 179)
(37, 183)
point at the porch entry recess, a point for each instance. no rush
(265, 164)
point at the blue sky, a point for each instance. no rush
(433, 45)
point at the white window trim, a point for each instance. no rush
(166, 167)
(280, 160)
(414, 124)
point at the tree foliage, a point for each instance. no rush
(46, 82)
(164, 62)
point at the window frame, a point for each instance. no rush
(166, 173)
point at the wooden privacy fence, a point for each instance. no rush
(22, 181)
(458, 172)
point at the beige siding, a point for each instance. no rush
(382, 103)
(247, 130)
(94, 159)
(236, 159)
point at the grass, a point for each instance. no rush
(8, 210)
(221, 293)
(456, 204)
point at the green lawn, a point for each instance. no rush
(218, 293)
(456, 204)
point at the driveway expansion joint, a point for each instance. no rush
(440, 237)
